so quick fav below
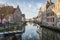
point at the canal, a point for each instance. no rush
(30, 32)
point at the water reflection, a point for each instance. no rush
(30, 32)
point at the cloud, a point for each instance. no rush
(11, 4)
(2, 2)
(30, 6)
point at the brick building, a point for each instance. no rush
(10, 14)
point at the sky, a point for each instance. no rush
(28, 7)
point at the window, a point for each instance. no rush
(53, 24)
(53, 13)
(47, 19)
(52, 19)
(58, 18)
(47, 14)
(59, 24)
(58, 7)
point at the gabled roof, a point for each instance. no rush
(7, 10)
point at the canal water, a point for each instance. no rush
(30, 32)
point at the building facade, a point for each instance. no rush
(49, 17)
(53, 14)
(17, 15)
(56, 10)
(42, 15)
(10, 14)
(52, 18)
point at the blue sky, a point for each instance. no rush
(29, 7)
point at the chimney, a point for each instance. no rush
(17, 6)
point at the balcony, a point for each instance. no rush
(50, 17)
